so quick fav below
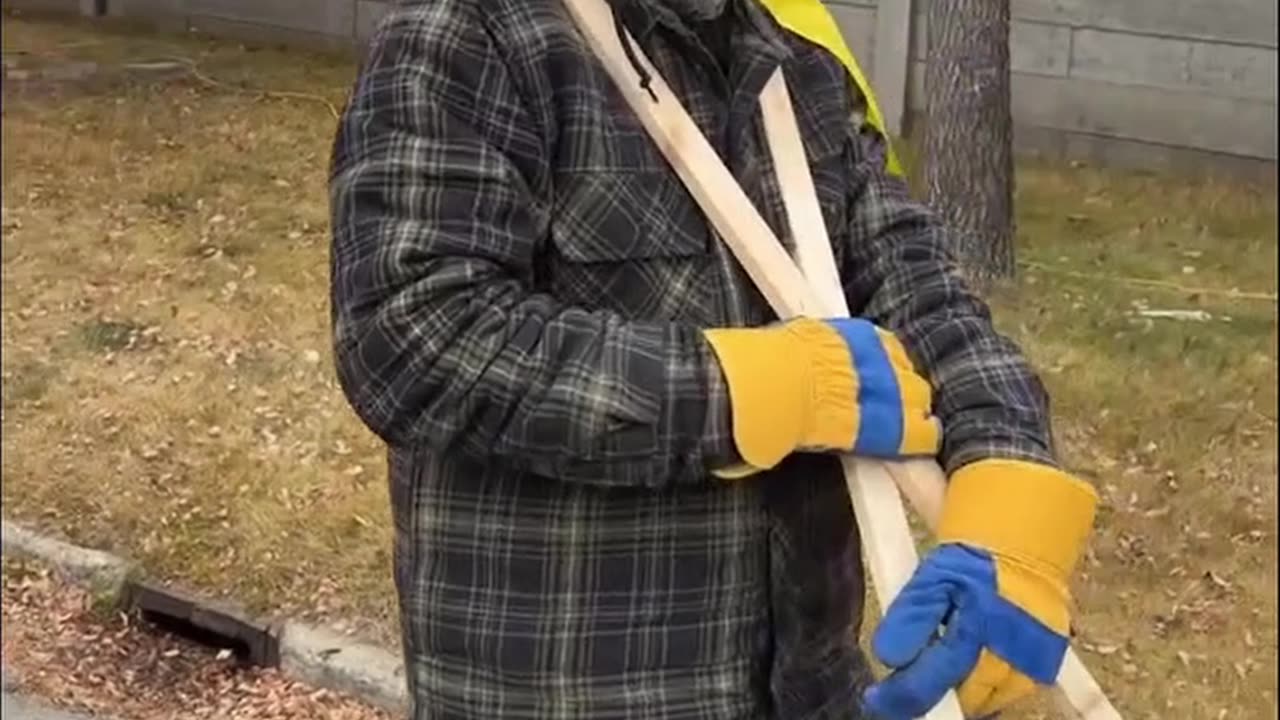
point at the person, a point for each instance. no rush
(613, 471)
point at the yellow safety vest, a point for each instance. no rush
(810, 20)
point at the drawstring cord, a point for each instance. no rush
(646, 81)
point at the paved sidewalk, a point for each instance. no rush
(14, 706)
(17, 707)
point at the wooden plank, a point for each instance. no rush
(882, 519)
(891, 60)
(800, 198)
(870, 487)
(922, 480)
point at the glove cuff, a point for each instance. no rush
(1032, 514)
(790, 386)
(765, 394)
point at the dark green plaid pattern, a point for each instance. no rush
(518, 287)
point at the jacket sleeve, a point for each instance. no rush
(441, 339)
(898, 272)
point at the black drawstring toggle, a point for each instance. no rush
(646, 81)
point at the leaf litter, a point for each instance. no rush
(57, 647)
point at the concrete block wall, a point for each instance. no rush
(1159, 84)
(331, 24)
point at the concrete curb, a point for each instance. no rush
(326, 659)
(103, 574)
(310, 654)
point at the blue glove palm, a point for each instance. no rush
(956, 586)
(1009, 537)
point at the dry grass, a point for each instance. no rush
(168, 390)
(1175, 420)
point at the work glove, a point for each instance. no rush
(822, 385)
(996, 584)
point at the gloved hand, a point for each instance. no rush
(823, 385)
(1010, 535)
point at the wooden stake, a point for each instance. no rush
(922, 481)
(886, 537)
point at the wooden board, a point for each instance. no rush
(922, 481)
(886, 536)
(873, 490)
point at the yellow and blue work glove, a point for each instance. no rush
(822, 385)
(1010, 535)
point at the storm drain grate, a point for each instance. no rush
(253, 642)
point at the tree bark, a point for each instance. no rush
(968, 145)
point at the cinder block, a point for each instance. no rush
(858, 26)
(1031, 141)
(1130, 59)
(368, 14)
(1096, 150)
(1227, 70)
(1239, 21)
(1234, 70)
(1034, 47)
(1187, 119)
(321, 17)
(169, 15)
(1178, 118)
(145, 8)
(1039, 48)
(53, 6)
(1063, 12)
(268, 35)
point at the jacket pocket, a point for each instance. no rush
(632, 242)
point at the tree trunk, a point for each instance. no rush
(968, 147)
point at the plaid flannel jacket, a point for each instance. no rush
(518, 287)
